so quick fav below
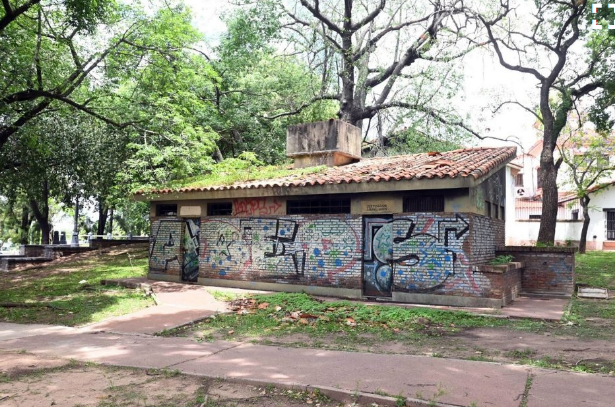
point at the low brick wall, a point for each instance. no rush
(32, 250)
(547, 270)
(505, 280)
(104, 243)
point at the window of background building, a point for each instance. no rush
(426, 203)
(220, 209)
(314, 206)
(166, 210)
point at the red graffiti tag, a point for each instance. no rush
(255, 207)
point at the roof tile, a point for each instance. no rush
(475, 162)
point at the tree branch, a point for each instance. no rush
(369, 18)
(303, 106)
(12, 14)
(315, 10)
(513, 102)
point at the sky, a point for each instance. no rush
(485, 81)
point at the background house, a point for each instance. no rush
(522, 229)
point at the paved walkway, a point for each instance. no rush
(464, 383)
(126, 341)
(177, 305)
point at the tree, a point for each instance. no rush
(146, 72)
(547, 45)
(371, 57)
(588, 156)
(72, 52)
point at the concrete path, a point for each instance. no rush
(177, 305)
(462, 383)
(127, 341)
(550, 309)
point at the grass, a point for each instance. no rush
(596, 269)
(288, 314)
(70, 293)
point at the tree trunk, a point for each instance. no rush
(548, 219)
(42, 213)
(75, 238)
(102, 218)
(111, 221)
(25, 225)
(548, 173)
(583, 241)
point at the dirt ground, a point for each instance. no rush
(28, 380)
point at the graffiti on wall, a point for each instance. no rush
(415, 254)
(165, 245)
(256, 207)
(190, 264)
(319, 250)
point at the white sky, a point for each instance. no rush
(485, 81)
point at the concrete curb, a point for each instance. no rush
(341, 395)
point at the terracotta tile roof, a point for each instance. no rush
(471, 162)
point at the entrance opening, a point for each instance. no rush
(377, 256)
(192, 241)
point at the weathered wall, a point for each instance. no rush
(492, 190)
(31, 250)
(105, 243)
(547, 269)
(310, 250)
(411, 253)
(165, 246)
(429, 253)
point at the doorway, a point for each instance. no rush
(610, 225)
(378, 265)
(191, 244)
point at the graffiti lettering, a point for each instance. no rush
(256, 207)
(279, 249)
(419, 254)
(164, 253)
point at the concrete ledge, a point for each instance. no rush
(290, 288)
(447, 300)
(164, 277)
(499, 268)
(340, 395)
(552, 249)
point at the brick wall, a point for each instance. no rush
(435, 253)
(547, 269)
(165, 246)
(504, 280)
(32, 250)
(412, 252)
(105, 243)
(321, 250)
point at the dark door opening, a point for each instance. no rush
(191, 243)
(610, 225)
(378, 265)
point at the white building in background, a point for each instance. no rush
(523, 222)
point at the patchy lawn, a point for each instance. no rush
(583, 341)
(67, 291)
(596, 269)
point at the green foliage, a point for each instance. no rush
(545, 244)
(502, 259)
(244, 168)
